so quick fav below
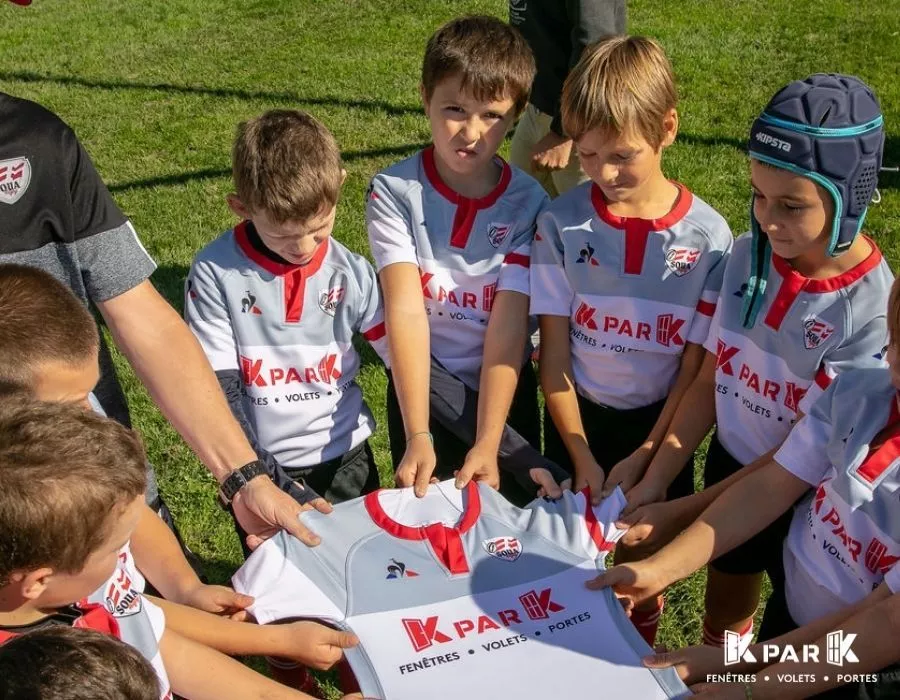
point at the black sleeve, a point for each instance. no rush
(590, 21)
(232, 387)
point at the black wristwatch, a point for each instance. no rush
(238, 479)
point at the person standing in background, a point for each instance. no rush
(557, 31)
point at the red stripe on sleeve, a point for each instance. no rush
(375, 332)
(707, 308)
(517, 259)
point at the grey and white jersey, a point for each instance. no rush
(634, 290)
(460, 594)
(808, 331)
(845, 536)
(466, 249)
(289, 330)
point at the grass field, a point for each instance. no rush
(155, 90)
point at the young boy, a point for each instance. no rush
(803, 299)
(843, 544)
(625, 277)
(72, 494)
(65, 663)
(275, 303)
(450, 230)
(49, 352)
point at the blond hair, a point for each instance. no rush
(623, 84)
(287, 164)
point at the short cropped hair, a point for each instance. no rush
(286, 164)
(623, 84)
(62, 663)
(66, 474)
(894, 314)
(41, 321)
(491, 58)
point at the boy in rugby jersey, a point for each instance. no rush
(625, 277)
(802, 300)
(450, 229)
(72, 494)
(842, 461)
(275, 303)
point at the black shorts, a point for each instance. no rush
(612, 435)
(524, 417)
(777, 621)
(760, 553)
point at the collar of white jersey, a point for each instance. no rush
(401, 514)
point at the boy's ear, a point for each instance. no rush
(32, 584)
(424, 97)
(670, 127)
(237, 206)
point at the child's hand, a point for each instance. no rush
(314, 645)
(628, 472)
(692, 664)
(418, 463)
(219, 600)
(653, 526)
(590, 474)
(548, 486)
(632, 583)
(552, 152)
(480, 465)
(647, 491)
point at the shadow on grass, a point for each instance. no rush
(212, 173)
(274, 96)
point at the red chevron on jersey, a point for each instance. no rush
(724, 354)
(667, 330)
(584, 316)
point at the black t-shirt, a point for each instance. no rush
(56, 214)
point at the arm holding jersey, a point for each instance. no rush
(551, 301)
(406, 323)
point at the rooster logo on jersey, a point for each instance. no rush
(397, 569)
(586, 254)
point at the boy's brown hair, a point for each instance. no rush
(42, 321)
(287, 164)
(894, 314)
(622, 84)
(62, 663)
(66, 474)
(492, 59)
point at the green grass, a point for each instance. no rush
(155, 91)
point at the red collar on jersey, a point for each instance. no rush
(294, 276)
(637, 230)
(445, 541)
(86, 616)
(467, 208)
(877, 461)
(792, 283)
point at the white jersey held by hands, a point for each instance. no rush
(461, 595)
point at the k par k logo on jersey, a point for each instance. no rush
(837, 650)
(15, 176)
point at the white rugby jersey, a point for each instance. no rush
(466, 249)
(141, 623)
(461, 595)
(635, 290)
(845, 536)
(807, 331)
(289, 330)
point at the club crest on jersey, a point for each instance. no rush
(505, 548)
(330, 298)
(815, 332)
(15, 176)
(497, 233)
(397, 569)
(682, 260)
(121, 600)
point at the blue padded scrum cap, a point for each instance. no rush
(828, 128)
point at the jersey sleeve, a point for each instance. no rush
(388, 225)
(804, 453)
(551, 293)
(274, 576)
(514, 270)
(711, 344)
(208, 317)
(709, 297)
(370, 321)
(862, 349)
(111, 257)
